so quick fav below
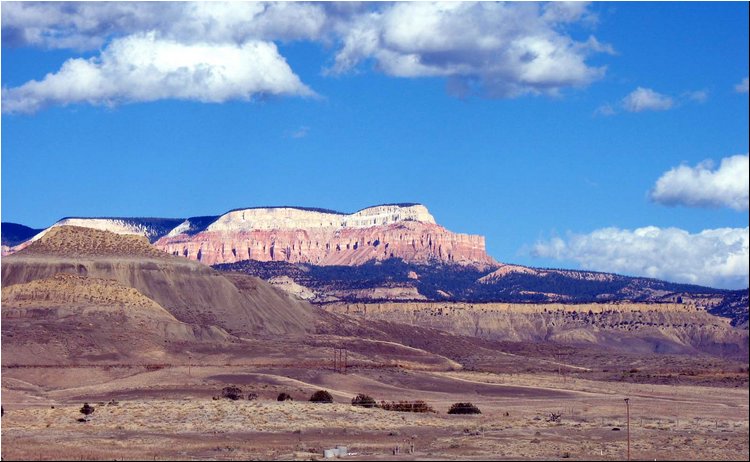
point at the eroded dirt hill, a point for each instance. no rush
(632, 327)
(191, 292)
(77, 319)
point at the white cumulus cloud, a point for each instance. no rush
(703, 186)
(144, 67)
(646, 99)
(506, 49)
(496, 49)
(88, 25)
(713, 257)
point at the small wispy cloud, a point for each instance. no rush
(698, 96)
(742, 87)
(301, 132)
(605, 110)
(645, 99)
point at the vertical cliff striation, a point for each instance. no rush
(324, 237)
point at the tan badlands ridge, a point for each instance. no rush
(304, 236)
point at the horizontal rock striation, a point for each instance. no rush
(297, 235)
(191, 292)
(633, 327)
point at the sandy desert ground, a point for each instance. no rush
(168, 414)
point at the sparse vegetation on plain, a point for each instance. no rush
(363, 400)
(464, 408)
(418, 406)
(86, 410)
(232, 392)
(321, 396)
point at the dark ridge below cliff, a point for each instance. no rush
(14, 233)
(734, 306)
(441, 281)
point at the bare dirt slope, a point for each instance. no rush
(66, 290)
(190, 291)
(69, 319)
(633, 327)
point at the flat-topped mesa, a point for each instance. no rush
(324, 237)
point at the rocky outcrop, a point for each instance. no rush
(632, 327)
(295, 235)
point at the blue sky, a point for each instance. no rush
(605, 136)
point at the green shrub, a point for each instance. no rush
(233, 393)
(363, 400)
(86, 410)
(406, 406)
(284, 397)
(464, 408)
(321, 396)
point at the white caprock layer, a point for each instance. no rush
(295, 218)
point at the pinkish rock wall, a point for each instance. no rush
(412, 241)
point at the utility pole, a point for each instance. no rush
(627, 407)
(340, 357)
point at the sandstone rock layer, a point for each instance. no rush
(322, 238)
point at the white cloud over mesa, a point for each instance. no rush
(713, 257)
(497, 50)
(143, 67)
(704, 186)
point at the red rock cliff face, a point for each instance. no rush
(412, 241)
